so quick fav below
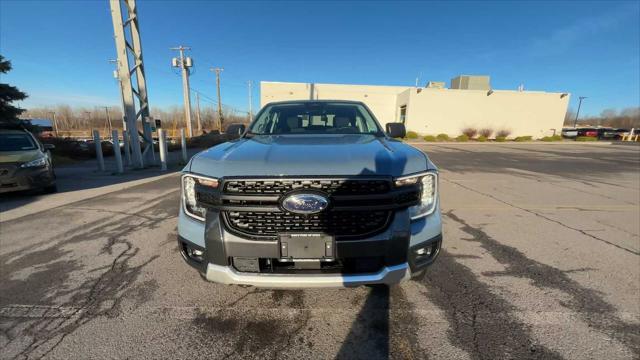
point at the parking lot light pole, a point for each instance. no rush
(575, 122)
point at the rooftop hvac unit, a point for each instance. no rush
(471, 82)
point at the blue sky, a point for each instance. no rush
(60, 49)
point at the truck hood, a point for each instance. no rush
(310, 155)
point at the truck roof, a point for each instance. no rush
(314, 101)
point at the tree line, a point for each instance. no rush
(627, 118)
(76, 118)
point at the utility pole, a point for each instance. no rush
(575, 122)
(184, 63)
(218, 71)
(198, 113)
(106, 109)
(126, 30)
(124, 109)
(55, 123)
(250, 101)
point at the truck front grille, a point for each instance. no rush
(342, 224)
(328, 186)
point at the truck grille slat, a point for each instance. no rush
(250, 207)
(338, 223)
(329, 186)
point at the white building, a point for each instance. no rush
(436, 109)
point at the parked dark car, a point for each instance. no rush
(25, 163)
(611, 133)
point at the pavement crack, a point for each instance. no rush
(583, 232)
(589, 304)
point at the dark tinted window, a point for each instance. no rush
(315, 118)
(16, 142)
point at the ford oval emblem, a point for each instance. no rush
(305, 203)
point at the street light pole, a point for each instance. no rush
(575, 122)
(55, 123)
(184, 63)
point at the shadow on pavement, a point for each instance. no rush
(85, 175)
(368, 337)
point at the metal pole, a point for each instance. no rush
(106, 109)
(185, 87)
(162, 140)
(116, 151)
(55, 123)
(198, 114)
(124, 71)
(125, 145)
(250, 111)
(96, 140)
(220, 118)
(575, 122)
(183, 140)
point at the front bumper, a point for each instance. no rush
(389, 275)
(26, 179)
(397, 245)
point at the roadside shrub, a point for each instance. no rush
(443, 137)
(486, 132)
(470, 132)
(482, 138)
(429, 138)
(503, 133)
(551, 138)
(586, 138)
(412, 135)
(462, 138)
(523, 138)
(501, 138)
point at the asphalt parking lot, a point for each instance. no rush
(541, 259)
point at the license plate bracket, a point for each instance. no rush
(312, 246)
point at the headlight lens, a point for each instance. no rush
(189, 194)
(39, 162)
(428, 196)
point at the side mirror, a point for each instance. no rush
(396, 130)
(49, 146)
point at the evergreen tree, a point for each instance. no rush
(8, 94)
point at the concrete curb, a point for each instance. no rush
(65, 198)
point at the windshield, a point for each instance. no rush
(315, 118)
(16, 142)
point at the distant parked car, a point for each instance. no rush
(607, 133)
(25, 163)
(589, 132)
(569, 132)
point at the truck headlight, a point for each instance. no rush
(39, 162)
(189, 201)
(428, 193)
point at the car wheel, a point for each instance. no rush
(50, 189)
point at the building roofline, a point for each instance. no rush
(405, 88)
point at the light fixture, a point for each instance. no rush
(563, 95)
(489, 92)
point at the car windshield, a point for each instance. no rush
(16, 142)
(315, 118)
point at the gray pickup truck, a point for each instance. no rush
(313, 194)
